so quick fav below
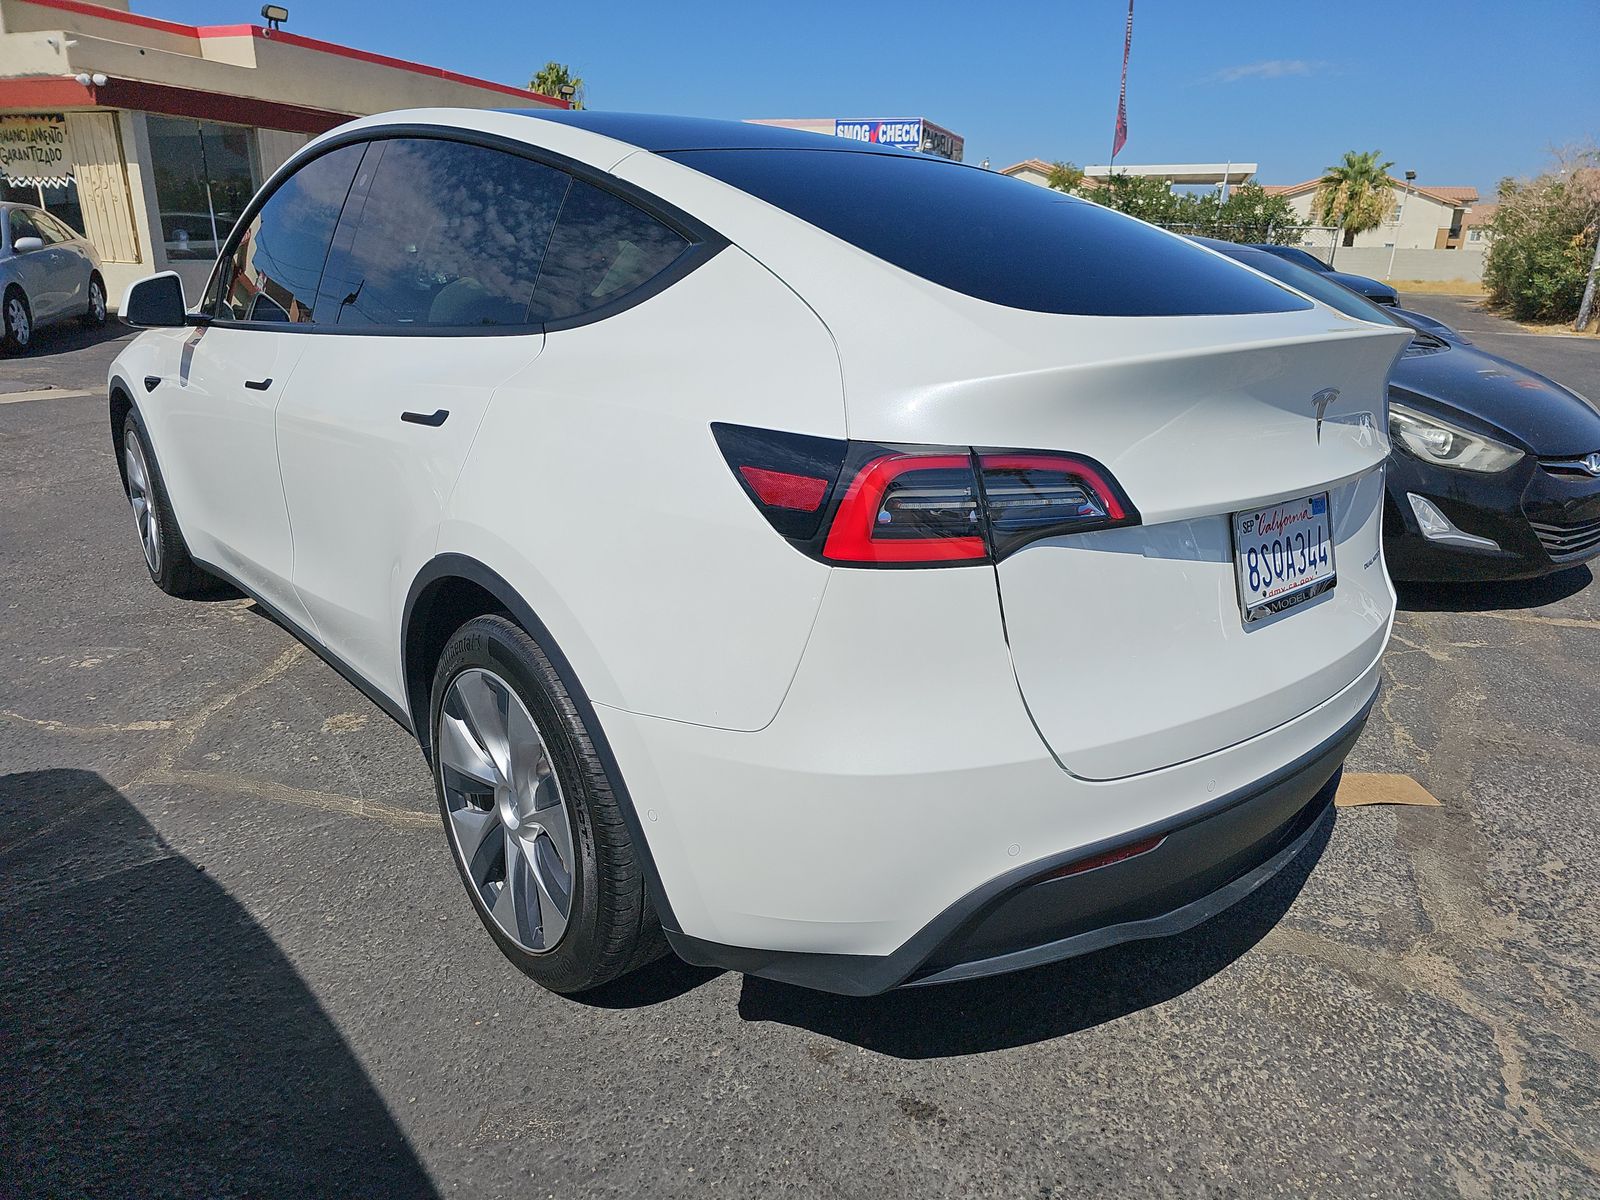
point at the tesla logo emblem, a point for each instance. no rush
(1592, 463)
(1320, 401)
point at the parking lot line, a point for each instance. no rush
(46, 394)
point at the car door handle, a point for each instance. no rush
(435, 418)
(258, 385)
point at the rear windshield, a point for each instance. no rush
(992, 237)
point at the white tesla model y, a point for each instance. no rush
(833, 563)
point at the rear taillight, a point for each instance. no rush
(863, 504)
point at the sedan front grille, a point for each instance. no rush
(1562, 542)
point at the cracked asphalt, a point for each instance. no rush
(235, 960)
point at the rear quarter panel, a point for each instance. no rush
(596, 489)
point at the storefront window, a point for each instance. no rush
(205, 174)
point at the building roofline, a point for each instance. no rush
(1452, 196)
(201, 32)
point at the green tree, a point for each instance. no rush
(1249, 214)
(1354, 194)
(1143, 196)
(552, 77)
(1544, 238)
(1065, 177)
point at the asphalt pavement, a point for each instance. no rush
(235, 959)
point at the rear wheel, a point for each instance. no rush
(95, 318)
(166, 555)
(532, 822)
(17, 317)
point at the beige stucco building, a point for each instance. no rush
(1432, 218)
(151, 135)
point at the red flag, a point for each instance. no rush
(1121, 138)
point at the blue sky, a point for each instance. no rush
(1461, 93)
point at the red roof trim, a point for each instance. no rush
(293, 39)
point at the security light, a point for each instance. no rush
(274, 15)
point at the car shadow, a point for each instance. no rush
(67, 337)
(154, 1041)
(1045, 1003)
(1494, 595)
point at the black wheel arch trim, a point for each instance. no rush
(460, 566)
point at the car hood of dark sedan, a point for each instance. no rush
(1538, 414)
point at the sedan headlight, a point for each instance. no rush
(1446, 445)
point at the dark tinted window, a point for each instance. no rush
(992, 237)
(1296, 255)
(273, 272)
(603, 249)
(23, 225)
(446, 235)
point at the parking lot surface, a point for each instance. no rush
(235, 958)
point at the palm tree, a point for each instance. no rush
(1064, 176)
(552, 77)
(1355, 194)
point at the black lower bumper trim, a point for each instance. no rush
(1210, 857)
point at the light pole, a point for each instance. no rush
(1399, 222)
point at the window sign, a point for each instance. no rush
(34, 150)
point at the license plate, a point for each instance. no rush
(1284, 555)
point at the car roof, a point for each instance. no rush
(663, 134)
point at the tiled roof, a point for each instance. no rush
(1452, 196)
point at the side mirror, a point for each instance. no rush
(27, 245)
(155, 302)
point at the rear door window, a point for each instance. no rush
(445, 235)
(992, 237)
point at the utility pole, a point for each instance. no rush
(1586, 305)
(1399, 222)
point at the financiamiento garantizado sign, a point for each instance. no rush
(34, 149)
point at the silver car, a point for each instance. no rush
(48, 273)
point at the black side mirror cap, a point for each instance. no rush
(155, 302)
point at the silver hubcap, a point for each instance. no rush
(508, 818)
(97, 303)
(140, 495)
(17, 319)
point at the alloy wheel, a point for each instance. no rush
(18, 321)
(97, 302)
(508, 817)
(141, 496)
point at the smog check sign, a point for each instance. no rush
(33, 149)
(899, 133)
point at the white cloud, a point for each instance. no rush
(1272, 68)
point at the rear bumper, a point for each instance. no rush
(1209, 857)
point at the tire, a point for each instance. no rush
(17, 316)
(95, 318)
(166, 554)
(504, 791)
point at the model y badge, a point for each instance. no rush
(1320, 401)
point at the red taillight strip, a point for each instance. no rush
(782, 489)
(850, 536)
(1067, 464)
(1120, 854)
